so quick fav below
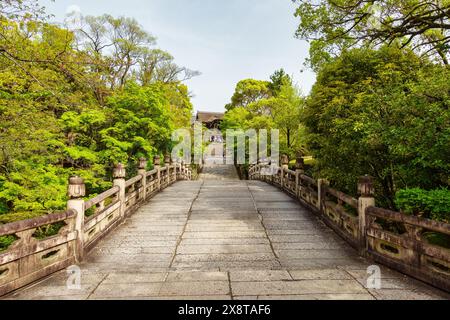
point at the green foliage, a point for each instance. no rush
(412, 201)
(438, 239)
(70, 108)
(249, 91)
(434, 204)
(48, 230)
(439, 205)
(17, 216)
(274, 104)
(336, 25)
(384, 113)
(6, 241)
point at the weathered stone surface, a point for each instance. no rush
(217, 249)
(330, 296)
(118, 290)
(195, 289)
(196, 276)
(296, 287)
(320, 274)
(388, 294)
(224, 235)
(314, 254)
(129, 278)
(225, 241)
(228, 265)
(260, 275)
(308, 245)
(229, 257)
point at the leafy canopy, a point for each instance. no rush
(334, 25)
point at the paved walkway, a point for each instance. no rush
(219, 172)
(225, 239)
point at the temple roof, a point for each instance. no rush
(206, 117)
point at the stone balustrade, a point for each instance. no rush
(32, 255)
(357, 221)
(408, 250)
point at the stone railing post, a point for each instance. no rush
(264, 166)
(177, 169)
(157, 165)
(284, 167)
(182, 172)
(299, 170)
(167, 161)
(322, 184)
(366, 199)
(76, 191)
(142, 170)
(189, 172)
(272, 172)
(119, 175)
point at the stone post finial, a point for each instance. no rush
(142, 163)
(77, 188)
(167, 159)
(300, 162)
(119, 171)
(284, 160)
(119, 175)
(365, 186)
(143, 172)
(156, 161)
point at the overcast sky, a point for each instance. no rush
(226, 40)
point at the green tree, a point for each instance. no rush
(274, 104)
(249, 91)
(60, 116)
(334, 25)
(279, 79)
(384, 113)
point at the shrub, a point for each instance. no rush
(48, 230)
(6, 241)
(434, 204)
(18, 216)
(412, 201)
(439, 205)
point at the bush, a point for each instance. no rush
(412, 201)
(18, 216)
(6, 241)
(434, 204)
(439, 205)
(48, 230)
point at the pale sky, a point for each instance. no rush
(226, 40)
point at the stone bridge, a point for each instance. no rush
(222, 238)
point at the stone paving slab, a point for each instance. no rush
(205, 288)
(130, 278)
(211, 249)
(218, 239)
(296, 287)
(260, 275)
(225, 257)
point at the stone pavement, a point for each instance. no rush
(219, 173)
(225, 239)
